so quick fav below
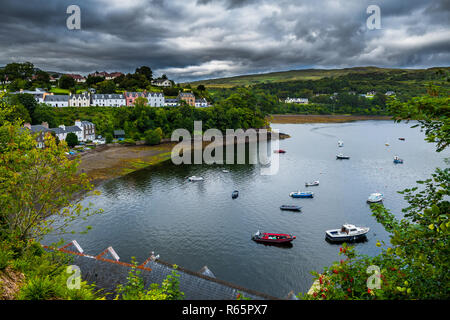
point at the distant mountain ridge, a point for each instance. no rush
(293, 75)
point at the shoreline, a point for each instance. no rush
(319, 118)
(108, 162)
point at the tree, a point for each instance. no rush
(66, 82)
(153, 137)
(145, 71)
(71, 139)
(105, 87)
(201, 88)
(108, 138)
(35, 184)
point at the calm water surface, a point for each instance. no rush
(198, 224)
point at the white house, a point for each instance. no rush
(62, 131)
(162, 83)
(58, 101)
(201, 103)
(156, 99)
(88, 130)
(108, 100)
(297, 100)
(80, 100)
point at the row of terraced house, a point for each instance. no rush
(87, 99)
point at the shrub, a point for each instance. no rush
(5, 257)
(38, 289)
(108, 138)
(153, 137)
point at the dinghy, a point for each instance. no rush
(340, 156)
(195, 178)
(280, 151)
(347, 233)
(375, 197)
(304, 194)
(235, 194)
(288, 207)
(311, 184)
(276, 238)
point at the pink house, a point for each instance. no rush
(130, 97)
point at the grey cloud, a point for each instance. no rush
(191, 39)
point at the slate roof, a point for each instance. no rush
(107, 272)
(57, 98)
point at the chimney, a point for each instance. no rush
(45, 124)
(27, 125)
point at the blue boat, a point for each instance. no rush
(299, 194)
(398, 160)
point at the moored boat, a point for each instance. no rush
(280, 151)
(289, 207)
(311, 184)
(375, 197)
(397, 160)
(276, 238)
(340, 156)
(302, 194)
(401, 139)
(235, 194)
(195, 178)
(348, 232)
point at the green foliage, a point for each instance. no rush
(135, 287)
(71, 139)
(108, 138)
(66, 82)
(36, 183)
(153, 137)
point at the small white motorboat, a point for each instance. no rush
(340, 143)
(195, 178)
(375, 197)
(348, 232)
(225, 171)
(312, 184)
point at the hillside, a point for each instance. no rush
(294, 75)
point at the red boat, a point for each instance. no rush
(280, 151)
(272, 237)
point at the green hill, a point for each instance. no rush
(293, 75)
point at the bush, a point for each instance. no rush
(38, 289)
(5, 257)
(153, 137)
(71, 139)
(108, 138)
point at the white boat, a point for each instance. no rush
(375, 197)
(348, 232)
(225, 171)
(312, 184)
(340, 143)
(195, 178)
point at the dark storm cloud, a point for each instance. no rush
(193, 39)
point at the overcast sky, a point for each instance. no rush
(200, 39)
